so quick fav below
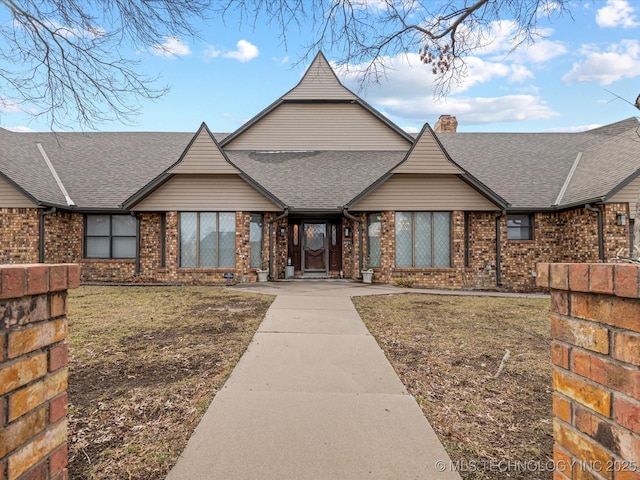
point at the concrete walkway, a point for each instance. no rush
(313, 397)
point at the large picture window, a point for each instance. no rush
(520, 227)
(255, 240)
(423, 239)
(110, 236)
(374, 236)
(208, 239)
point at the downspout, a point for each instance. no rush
(136, 272)
(498, 249)
(600, 230)
(272, 242)
(346, 214)
(41, 233)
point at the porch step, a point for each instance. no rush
(314, 275)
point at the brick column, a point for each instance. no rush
(33, 370)
(595, 350)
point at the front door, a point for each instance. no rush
(314, 244)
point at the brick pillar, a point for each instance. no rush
(33, 370)
(595, 350)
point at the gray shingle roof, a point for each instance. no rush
(316, 179)
(99, 170)
(603, 166)
(530, 169)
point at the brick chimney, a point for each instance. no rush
(446, 124)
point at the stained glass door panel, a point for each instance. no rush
(315, 246)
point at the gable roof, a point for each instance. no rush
(316, 180)
(318, 84)
(604, 167)
(202, 155)
(530, 169)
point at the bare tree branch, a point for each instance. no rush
(71, 60)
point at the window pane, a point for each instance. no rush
(441, 239)
(208, 240)
(97, 247)
(374, 239)
(124, 247)
(422, 239)
(98, 225)
(519, 227)
(124, 225)
(404, 240)
(255, 240)
(227, 241)
(296, 235)
(188, 240)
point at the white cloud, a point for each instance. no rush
(244, 52)
(20, 129)
(407, 93)
(211, 52)
(170, 48)
(541, 51)
(9, 106)
(620, 62)
(281, 61)
(617, 13)
(575, 129)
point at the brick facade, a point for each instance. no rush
(595, 350)
(33, 370)
(19, 238)
(568, 236)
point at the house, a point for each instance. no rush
(323, 182)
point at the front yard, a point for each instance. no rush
(145, 363)
(447, 351)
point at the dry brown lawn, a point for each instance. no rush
(145, 363)
(447, 351)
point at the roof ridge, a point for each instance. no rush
(567, 180)
(52, 169)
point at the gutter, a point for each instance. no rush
(284, 214)
(498, 249)
(43, 213)
(137, 216)
(346, 214)
(600, 230)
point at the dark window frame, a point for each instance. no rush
(526, 228)
(432, 232)
(110, 236)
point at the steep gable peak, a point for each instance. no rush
(319, 83)
(427, 156)
(203, 155)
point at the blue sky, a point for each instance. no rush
(557, 84)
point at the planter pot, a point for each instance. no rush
(367, 276)
(289, 271)
(263, 275)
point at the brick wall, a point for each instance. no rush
(19, 240)
(595, 350)
(33, 370)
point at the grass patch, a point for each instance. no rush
(145, 362)
(447, 350)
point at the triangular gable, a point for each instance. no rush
(203, 155)
(320, 83)
(319, 109)
(427, 156)
(12, 197)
